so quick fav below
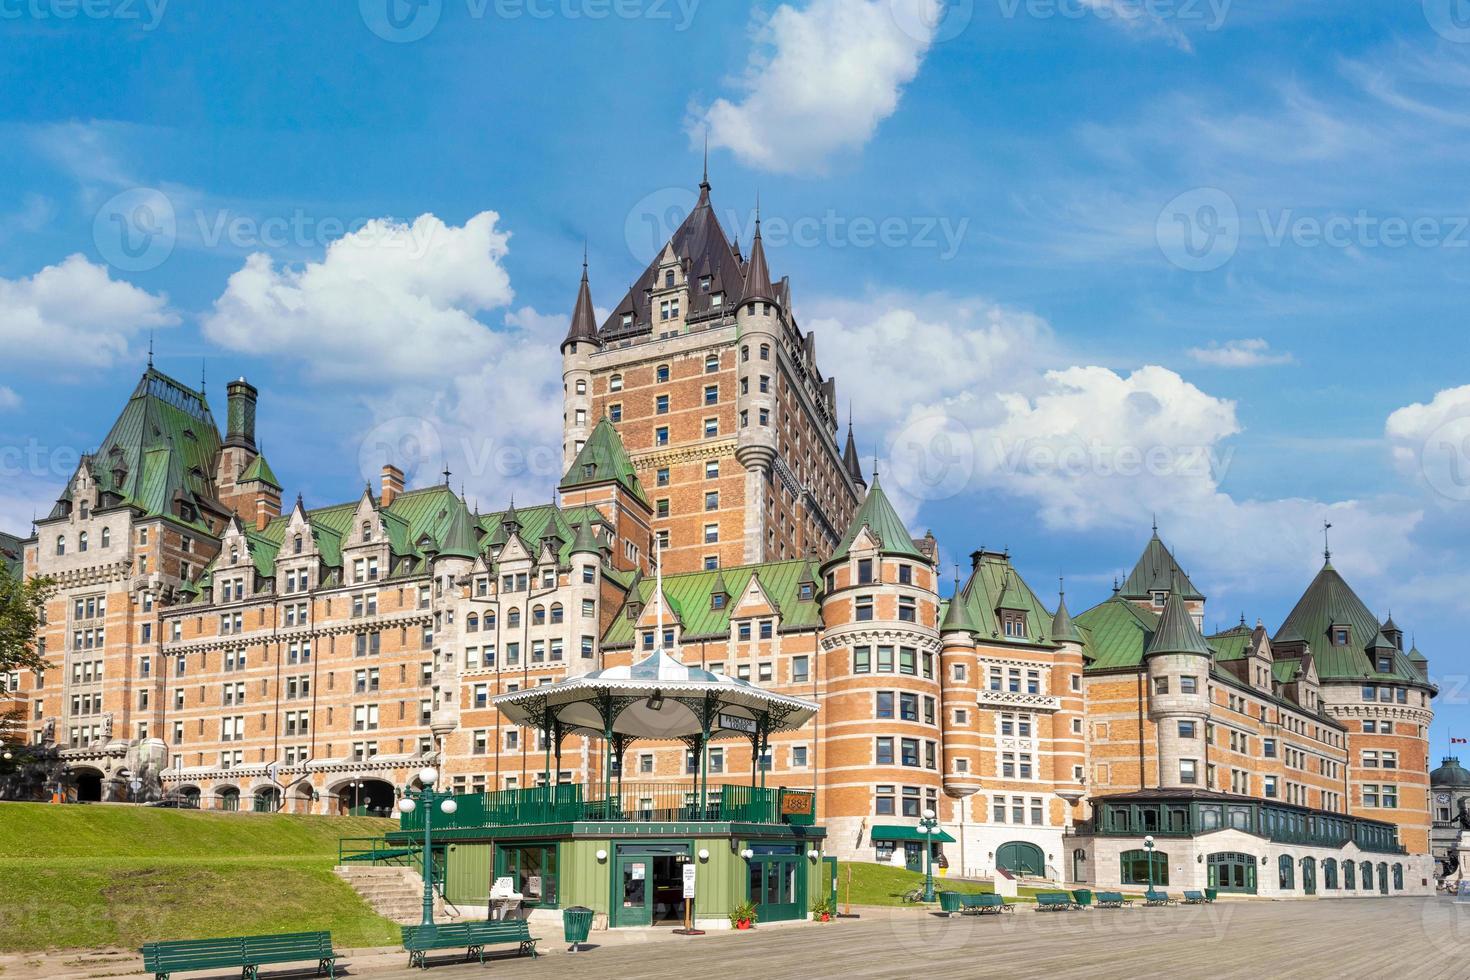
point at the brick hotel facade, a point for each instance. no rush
(243, 655)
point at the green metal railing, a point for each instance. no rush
(379, 852)
(632, 802)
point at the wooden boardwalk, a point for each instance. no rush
(1399, 939)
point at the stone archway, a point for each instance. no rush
(365, 796)
(88, 782)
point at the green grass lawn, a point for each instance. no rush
(883, 884)
(90, 876)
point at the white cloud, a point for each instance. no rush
(75, 314)
(819, 81)
(8, 398)
(1431, 444)
(1144, 20)
(389, 299)
(978, 400)
(1240, 354)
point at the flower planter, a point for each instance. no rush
(743, 924)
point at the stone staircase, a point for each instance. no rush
(393, 892)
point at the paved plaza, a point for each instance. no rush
(1402, 939)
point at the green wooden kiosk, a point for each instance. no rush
(621, 848)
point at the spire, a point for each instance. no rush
(1326, 544)
(1062, 627)
(850, 460)
(150, 350)
(459, 536)
(957, 616)
(878, 516)
(583, 328)
(585, 543)
(757, 274)
(1176, 632)
(704, 180)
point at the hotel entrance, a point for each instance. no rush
(1232, 872)
(648, 884)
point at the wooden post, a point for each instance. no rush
(847, 905)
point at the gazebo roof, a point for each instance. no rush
(735, 707)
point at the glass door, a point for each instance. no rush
(778, 886)
(1309, 876)
(632, 886)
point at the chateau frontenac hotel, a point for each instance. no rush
(220, 641)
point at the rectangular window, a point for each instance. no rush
(883, 752)
(862, 660)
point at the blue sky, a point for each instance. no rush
(1074, 262)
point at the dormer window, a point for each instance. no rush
(1160, 599)
(1340, 636)
(668, 278)
(589, 470)
(296, 544)
(367, 531)
(1013, 623)
(84, 510)
(717, 601)
(704, 283)
(627, 320)
(1385, 663)
(805, 591)
(865, 571)
(717, 301)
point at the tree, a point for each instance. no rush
(21, 604)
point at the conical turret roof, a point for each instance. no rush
(584, 319)
(585, 543)
(878, 515)
(757, 273)
(1062, 627)
(459, 536)
(603, 459)
(957, 616)
(1176, 632)
(1157, 571)
(850, 461)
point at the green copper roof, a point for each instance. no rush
(260, 470)
(11, 556)
(160, 452)
(957, 615)
(1285, 671)
(459, 537)
(1157, 571)
(1176, 632)
(689, 594)
(878, 515)
(602, 459)
(1232, 644)
(1329, 601)
(585, 543)
(1119, 632)
(1416, 657)
(994, 581)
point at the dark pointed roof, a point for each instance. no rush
(585, 543)
(705, 250)
(1176, 632)
(757, 273)
(1157, 571)
(584, 320)
(1062, 627)
(603, 459)
(850, 460)
(878, 515)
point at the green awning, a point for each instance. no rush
(892, 832)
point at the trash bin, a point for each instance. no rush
(576, 923)
(1082, 896)
(949, 902)
(1211, 894)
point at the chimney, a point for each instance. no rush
(392, 484)
(240, 428)
(267, 506)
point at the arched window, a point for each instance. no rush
(489, 621)
(615, 383)
(513, 618)
(367, 530)
(296, 544)
(1398, 877)
(1367, 868)
(711, 363)
(61, 544)
(472, 623)
(1134, 868)
(1287, 872)
(745, 353)
(581, 386)
(556, 614)
(106, 537)
(234, 555)
(1329, 873)
(765, 352)
(82, 541)
(538, 615)
(1349, 876)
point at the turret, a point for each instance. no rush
(1069, 761)
(581, 343)
(960, 677)
(758, 324)
(585, 581)
(1177, 663)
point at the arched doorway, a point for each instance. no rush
(188, 798)
(1367, 869)
(1383, 879)
(1021, 858)
(1079, 865)
(267, 800)
(89, 785)
(227, 798)
(1329, 874)
(1309, 876)
(365, 798)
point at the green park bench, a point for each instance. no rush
(472, 936)
(1054, 902)
(1153, 899)
(984, 903)
(246, 953)
(1195, 898)
(1112, 900)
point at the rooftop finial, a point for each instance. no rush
(446, 472)
(704, 181)
(584, 258)
(1061, 586)
(150, 349)
(1326, 542)
(202, 365)
(1156, 524)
